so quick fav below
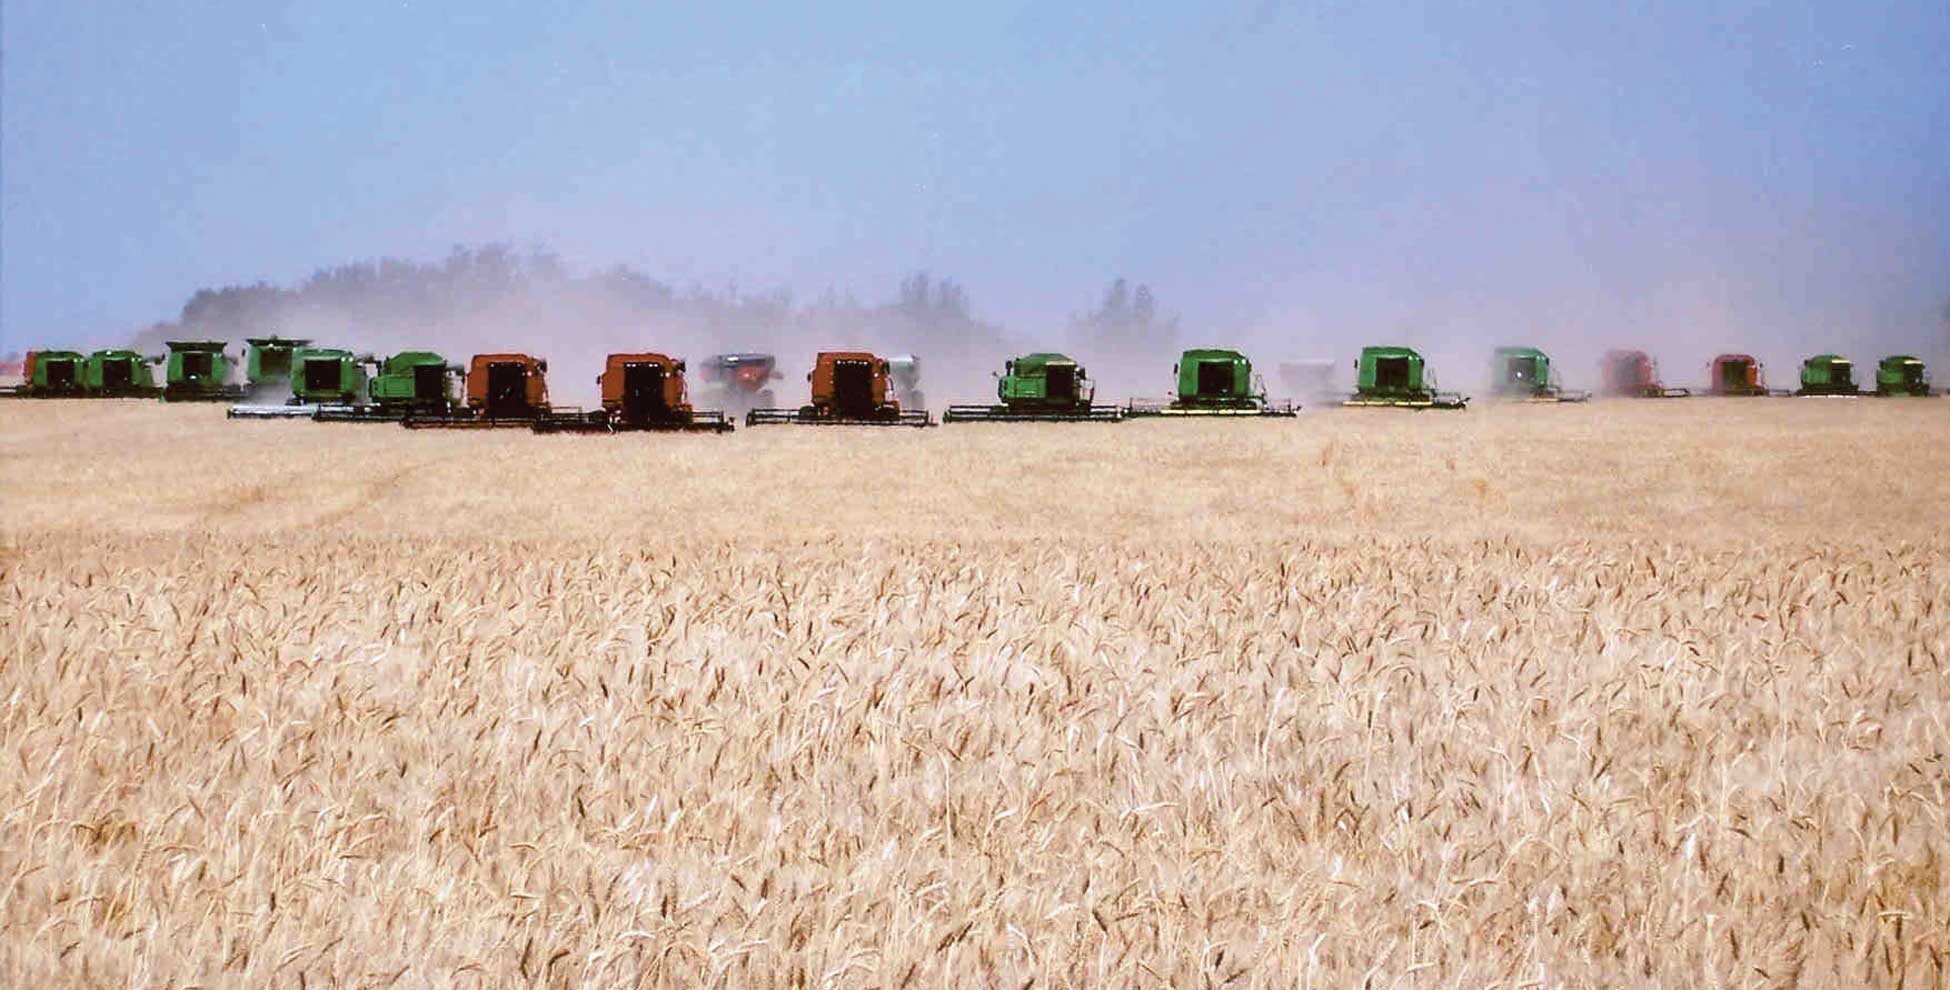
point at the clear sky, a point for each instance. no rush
(1268, 168)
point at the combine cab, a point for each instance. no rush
(118, 374)
(50, 375)
(849, 388)
(640, 392)
(1398, 377)
(1738, 375)
(1900, 374)
(1634, 375)
(1524, 374)
(1047, 388)
(739, 383)
(1828, 376)
(267, 365)
(503, 390)
(1214, 382)
(198, 371)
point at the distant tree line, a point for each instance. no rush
(496, 295)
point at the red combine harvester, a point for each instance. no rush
(503, 391)
(738, 383)
(640, 392)
(1634, 375)
(1738, 375)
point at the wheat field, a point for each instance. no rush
(1628, 694)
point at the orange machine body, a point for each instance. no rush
(1737, 374)
(852, 385)
(639, 387)
(507, 386)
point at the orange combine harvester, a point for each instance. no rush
(849, 388)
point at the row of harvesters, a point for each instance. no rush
(1633, 374)
(106, 374)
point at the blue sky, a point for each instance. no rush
(1376, 170)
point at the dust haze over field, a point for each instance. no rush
(1568, 696)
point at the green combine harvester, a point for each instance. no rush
(1398, 378)
(117, 373)
(1214, 382)
(1040, 388)
(1523, 374)
(328, 376)
(198, 371)
(1900, 374)
(408, 384)
(267, 365)
(1828, 376)
(273, 389)
(49, 375)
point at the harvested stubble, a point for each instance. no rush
(1380, 705)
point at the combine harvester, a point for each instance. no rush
(1214, 382)
(1634, 375)
(504, 391)
(198, 371)
(739, 383)
(323, 379)
(640, 392)
(267, 364)
(1827, 376)
(410, 383)
(1040, 388)
(49, 375)
(268, 385)
(1523, 374)
(119, 374)
(1398, 378)
(1739, 375)
(849, 388)
(1900, 374)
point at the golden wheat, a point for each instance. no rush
(1636, 694)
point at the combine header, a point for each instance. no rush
(1523, 374)
(198, 371)
(49, 375)
(1739, 375)
(1398, 377)
(1634, 375)
(503, 391)
(849, 388)
(1214, 382)
(739, 383)
(118, 374)
(640, 392)
(1900, 374)
(1039, 388)
(1828, 376)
